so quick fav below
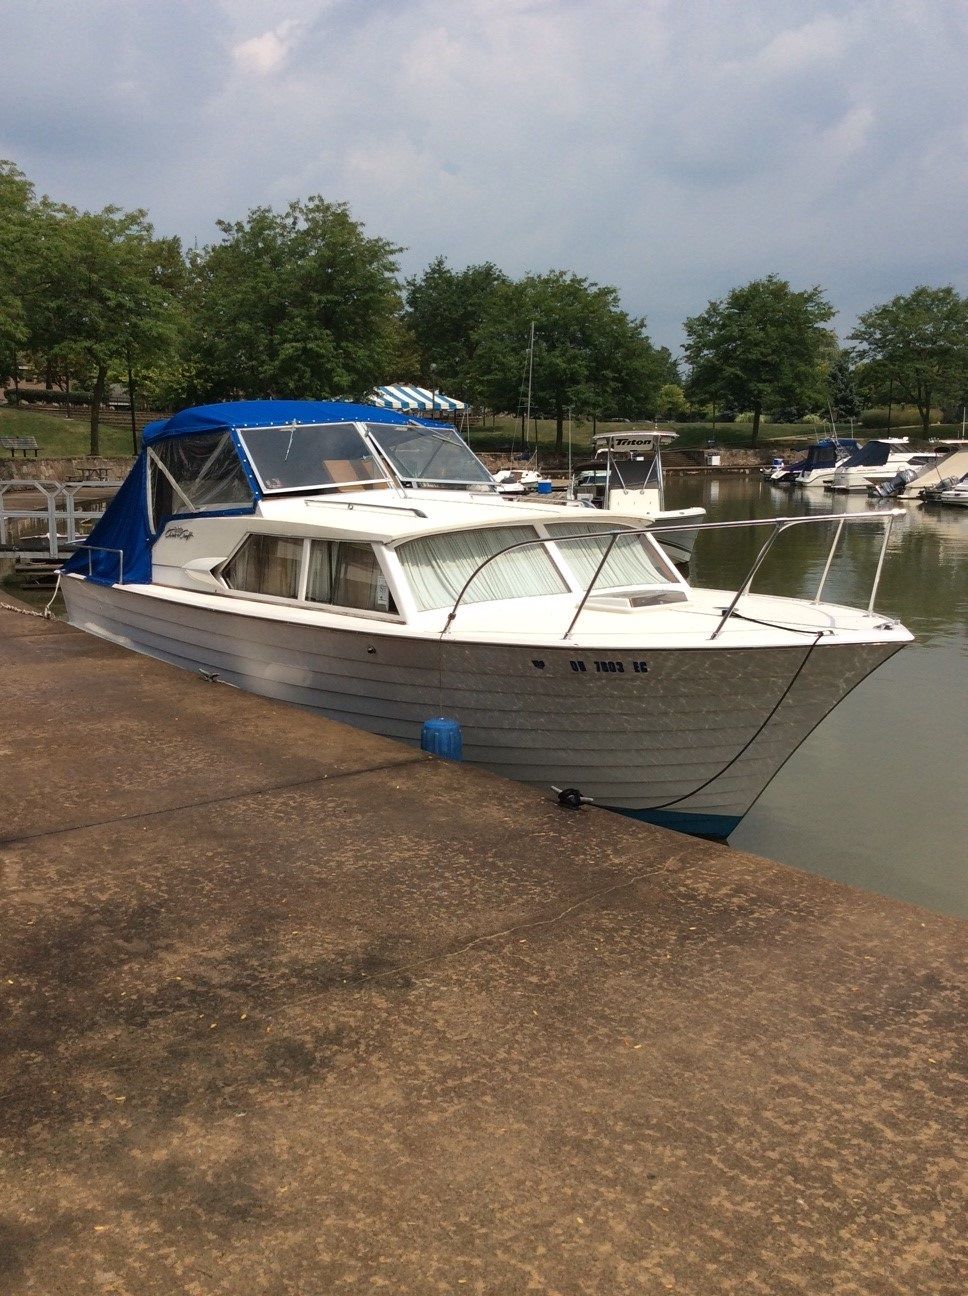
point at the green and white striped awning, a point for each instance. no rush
(398, 397)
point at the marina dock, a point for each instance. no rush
(290, 1008)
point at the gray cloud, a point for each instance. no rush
(673, 149)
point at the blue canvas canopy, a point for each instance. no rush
(118, 550)
(269, 413)
(872, 455)
(825, 454)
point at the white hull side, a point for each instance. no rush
(703, 729)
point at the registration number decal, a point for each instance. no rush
(609, 667)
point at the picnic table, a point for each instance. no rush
(25, 444)
(93, 473)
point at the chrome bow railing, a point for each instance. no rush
(778, 526)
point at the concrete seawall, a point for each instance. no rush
(289, 1008)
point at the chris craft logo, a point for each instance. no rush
(178, 533)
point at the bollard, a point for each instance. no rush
(441, 737)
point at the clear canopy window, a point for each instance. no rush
(434, 456)
(311, 456)
(196, 474)
(632, 563)
(439, 566)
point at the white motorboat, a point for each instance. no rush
(941, 474)
(521, 481)
(336, 557)
(775, 469)
(819, 462)
(956, 494)
(625, 478)
(875, 462)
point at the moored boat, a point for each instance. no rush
(914, 483)
(626, 478)
(820, 461)
(339, 558)
(875, 462)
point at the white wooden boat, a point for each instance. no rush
(336, 558)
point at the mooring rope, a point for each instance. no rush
(46, 615)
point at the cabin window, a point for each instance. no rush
(439, 566)
(632, 561)
(347, 574)
(311, 457)
(196, 474)
(266, 564)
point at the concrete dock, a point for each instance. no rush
(288, 1008)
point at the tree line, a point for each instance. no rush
(304, 303)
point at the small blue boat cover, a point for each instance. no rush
(118, 550)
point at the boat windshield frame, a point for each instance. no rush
(376, 451)
(271, 485)
(377, 434)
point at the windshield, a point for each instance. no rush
(432, 456)
(317, 456)
(635, 472)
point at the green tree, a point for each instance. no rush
(842, 389)
(107, 290)
(589, 355)
(299, 303)
(919, 344)
(762, 345)
(17, 239)
(672, 400)
(444, 311)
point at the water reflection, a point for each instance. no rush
(876, 796)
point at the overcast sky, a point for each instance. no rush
(673, 148)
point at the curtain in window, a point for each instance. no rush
(629, 563)
(266, 565)
(347, 575)
(438, 567)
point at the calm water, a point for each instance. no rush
(877, 795)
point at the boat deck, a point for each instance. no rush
(290, 1008)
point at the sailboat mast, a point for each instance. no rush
(527, 418)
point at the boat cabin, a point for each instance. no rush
(382, 518)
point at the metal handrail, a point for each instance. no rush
(884, 517)
(84, 544)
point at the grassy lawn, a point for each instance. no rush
(690, 435)
(58, 436)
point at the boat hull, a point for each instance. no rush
(687, 737)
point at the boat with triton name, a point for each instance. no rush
(625, 479)
(341, 558)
